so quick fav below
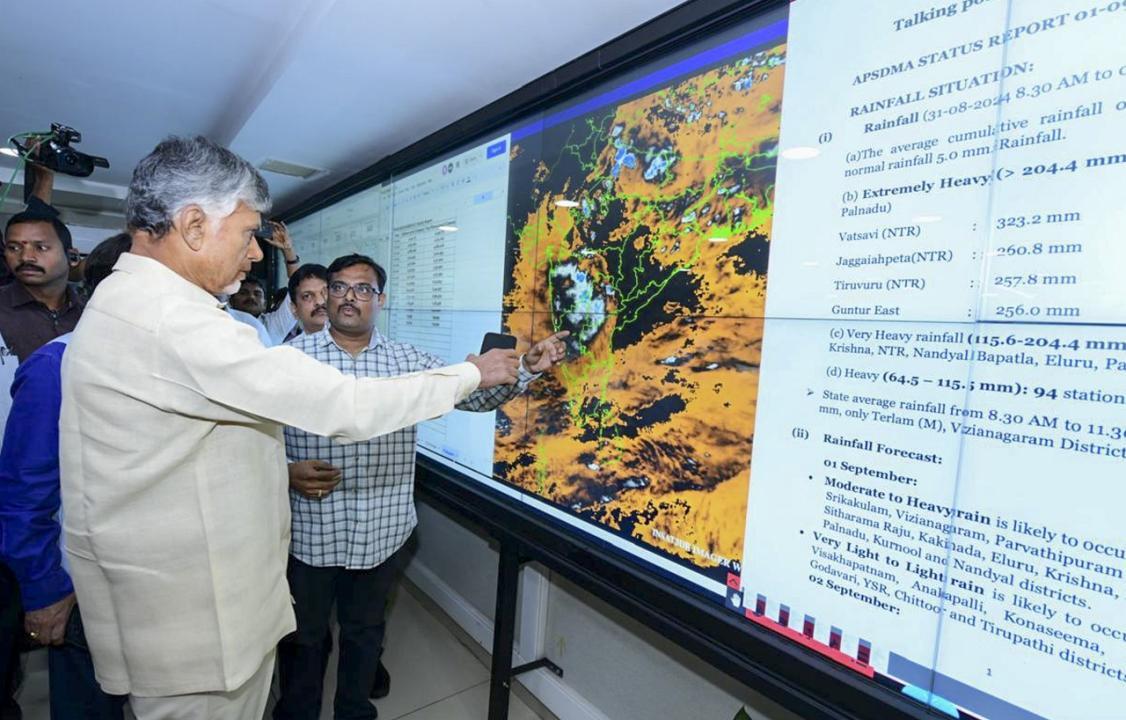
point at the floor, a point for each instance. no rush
(434, 674)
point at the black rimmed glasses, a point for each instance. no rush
(363, 291)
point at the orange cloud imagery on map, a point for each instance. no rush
(657, 264)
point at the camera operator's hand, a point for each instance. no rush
(314, 479)
(281, 240)
(43, 178)
(498, 367)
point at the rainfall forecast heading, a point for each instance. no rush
(847, 324)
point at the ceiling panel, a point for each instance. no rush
(335, 84)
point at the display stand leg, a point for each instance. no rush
(504, 629)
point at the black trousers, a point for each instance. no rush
(361, 603)
(11, 632)
(75, 693)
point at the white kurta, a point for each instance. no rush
(174, 477)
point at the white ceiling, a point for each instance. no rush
(333, 84)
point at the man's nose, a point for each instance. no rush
(255, 251)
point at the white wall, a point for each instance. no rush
(614, 667)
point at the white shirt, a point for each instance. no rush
(279, 322)
(174, 480)
(247, 319)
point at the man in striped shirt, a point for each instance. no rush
(353, 504)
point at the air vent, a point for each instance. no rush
(282, 167)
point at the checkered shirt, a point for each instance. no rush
(371, 513)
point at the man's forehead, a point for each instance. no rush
(33, 230)
(311, 283)
(356, 271)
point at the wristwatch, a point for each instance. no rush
(296, 259)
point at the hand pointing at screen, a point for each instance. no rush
(547, 352)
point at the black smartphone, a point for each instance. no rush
(497, 340)
(265, 231)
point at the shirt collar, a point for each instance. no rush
(169, 280)
(324, 337)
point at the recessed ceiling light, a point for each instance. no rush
(291, 169)
(566, 203)
(448, 228)
(11, 152)
(800, 153)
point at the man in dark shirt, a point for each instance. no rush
(35, 308)
(30, 515)
(39, 305)
(12, 293)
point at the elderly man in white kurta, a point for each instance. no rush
(176, 513)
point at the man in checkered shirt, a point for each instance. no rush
(353, 504)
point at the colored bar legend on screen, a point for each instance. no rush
(864, 651)
(784, 615)
(760, 605)
(831, 653)
(807, 626)
(835, 636)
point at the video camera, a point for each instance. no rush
(55, 152)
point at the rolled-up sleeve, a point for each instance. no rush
(210, 366)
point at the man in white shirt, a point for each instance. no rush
(250, 321)
(308, 296)
(250, 298)
(173, 469)
(280, 322)
(303, 312)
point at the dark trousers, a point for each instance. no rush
(361, 603)
(75, 694)
(11, 631)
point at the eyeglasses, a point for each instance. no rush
(362, 291)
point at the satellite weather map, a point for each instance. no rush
(646, 234)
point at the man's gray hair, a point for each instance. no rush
(191, 171)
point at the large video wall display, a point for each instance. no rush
(847, 349)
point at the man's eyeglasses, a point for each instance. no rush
(362, 291)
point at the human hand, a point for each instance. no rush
(32, 143)
(281, 240)
(547, 352)
(498, 367)
(313, 478)
(47, 626)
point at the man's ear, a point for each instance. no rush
(191, 225)
(73, 257)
